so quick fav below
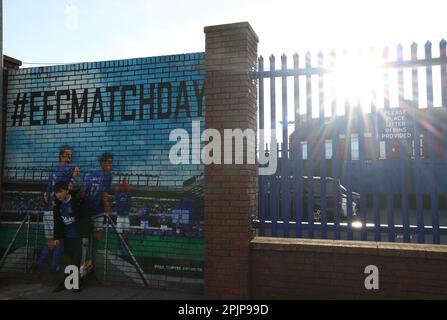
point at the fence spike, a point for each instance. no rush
(428, 50)
(296, 61)
(308, 58)
(427, 45)
(442, 48)
(320, 57)
(400, 51)
(414, 51)
(296, 57)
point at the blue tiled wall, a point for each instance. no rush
(140, 145)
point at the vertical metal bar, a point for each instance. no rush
(429, 74)
(36, 236)
(335, 153)
(429, 132)
(434, 192)
(403, 153)
(417, 146)
(375, 150)
(262, 195)
(443, 56)
(348, 170)
(322, 143)
(347, 164)
(376, 189)
(310, 142)
(388, 162)
(361, 139)
(106, 249)
(285, 183)
(444, 164)
(360, 126)
(274, 203)
(432, 140)
(299, 152)
(278, 187)
(27, 242)
(400, 75)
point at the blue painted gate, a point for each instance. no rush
(370, 168)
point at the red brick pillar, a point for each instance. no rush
(230, 189)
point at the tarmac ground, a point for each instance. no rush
(41, 288)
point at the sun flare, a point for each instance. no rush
(355, 79)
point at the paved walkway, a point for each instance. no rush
(32, 288)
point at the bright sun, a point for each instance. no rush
(355, 78)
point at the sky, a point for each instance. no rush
(59, 31)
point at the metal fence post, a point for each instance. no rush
(36, 236)
(27, 241)
(106, 248)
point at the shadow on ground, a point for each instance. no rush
(41, 288)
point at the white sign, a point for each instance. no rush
(397, 125)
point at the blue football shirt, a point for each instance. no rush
(123, 203)
(95, 185)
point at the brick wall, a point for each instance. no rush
(323, 269)
(231, 190)
(149, 97)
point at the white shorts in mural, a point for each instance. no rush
(123, 224)
(48, 224)
(144, 225)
